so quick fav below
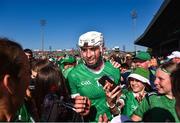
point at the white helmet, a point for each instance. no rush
(91, 38)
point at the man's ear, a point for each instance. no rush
(8, 84)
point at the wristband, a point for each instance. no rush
(111, 107)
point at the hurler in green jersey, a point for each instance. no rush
(83, 79)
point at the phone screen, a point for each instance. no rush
(105, 79)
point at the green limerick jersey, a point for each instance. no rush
(159, 101)
(84, 81)
(130, 102)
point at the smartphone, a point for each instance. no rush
(103, 81)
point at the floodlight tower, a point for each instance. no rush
(134, 17)
(42, 23)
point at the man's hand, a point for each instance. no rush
(82, 105)
(112, 96)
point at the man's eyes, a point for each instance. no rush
(83, 49)
(91, 49)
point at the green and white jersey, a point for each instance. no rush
(84, 81)
(157, 101)
(130, 102)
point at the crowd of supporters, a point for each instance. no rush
(92, 86)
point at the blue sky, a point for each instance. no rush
(68, 19)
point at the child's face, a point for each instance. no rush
(136, 85)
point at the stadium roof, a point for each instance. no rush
(164, 26)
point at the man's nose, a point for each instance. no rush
(89, 53)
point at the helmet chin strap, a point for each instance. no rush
(101, 50)
(97, 64)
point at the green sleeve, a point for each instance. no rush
(72, 83)
(66, 72)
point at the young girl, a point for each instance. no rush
(53, 99)
(163, 100)
(138, 86)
